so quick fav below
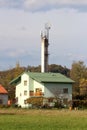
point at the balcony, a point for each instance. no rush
(36, 94)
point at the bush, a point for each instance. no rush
(80, 103)
(4, 106)
(35, 101)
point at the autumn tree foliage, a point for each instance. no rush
(7, 76)
(59, 69)
(35, 101)
(77, 73)
(83, 87)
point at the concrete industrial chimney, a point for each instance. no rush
(44, 49)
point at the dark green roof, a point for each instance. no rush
(50, 77)
(46, 77)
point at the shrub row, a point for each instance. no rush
(79, 103)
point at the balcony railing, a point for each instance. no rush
(36, 94)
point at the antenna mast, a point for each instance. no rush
(44, 48)
(47, 28)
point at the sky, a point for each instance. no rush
(21, 22)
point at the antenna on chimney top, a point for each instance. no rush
(47, 27)
(44, 48)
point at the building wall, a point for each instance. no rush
(21, 96)
(4, 98)
(56, 89)
(31, 84)
(38, 85)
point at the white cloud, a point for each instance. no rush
(36, 5)
(42, 5)
(54, 2)
(16, 53)
(10, 3)
(20, 36)
(51, 4)
(76, 57)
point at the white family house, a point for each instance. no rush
(46, 85)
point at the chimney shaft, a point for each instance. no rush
(44, 48)
(44, 54)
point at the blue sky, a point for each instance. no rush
(21, 22)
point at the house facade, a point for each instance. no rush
(3, 96)
(45, 85)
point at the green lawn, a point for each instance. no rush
(18, 119)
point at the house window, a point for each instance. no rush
(25, 93)
(38, 92)
(31, 93)
(25, 82)
(0, 101)
(25, 101)
(65, 90)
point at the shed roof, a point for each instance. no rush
(46, 78)
(3, 90)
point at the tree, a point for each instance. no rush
(78, 71)
(59, 69)
(83, 87)
(33, 68)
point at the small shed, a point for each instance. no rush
(3, 96)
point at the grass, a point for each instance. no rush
(24, 119)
